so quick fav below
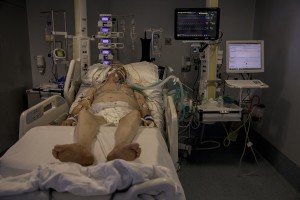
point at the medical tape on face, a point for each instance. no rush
(118, 72)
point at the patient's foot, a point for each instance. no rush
(73, 153)
(127, 152)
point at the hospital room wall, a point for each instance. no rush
(277, 22)
(15, 68)
(148, 14)
(36, 28)
(160, 14)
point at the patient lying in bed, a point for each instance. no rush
(112, 101)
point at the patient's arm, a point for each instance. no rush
(84, 103)
(144, 109)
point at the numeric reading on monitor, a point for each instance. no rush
(197, 23)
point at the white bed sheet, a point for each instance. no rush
(23, 157)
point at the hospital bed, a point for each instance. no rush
(29, 171)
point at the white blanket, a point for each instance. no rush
(101, 179)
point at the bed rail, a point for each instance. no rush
(172, 127)
(52, 110)
(73, 80)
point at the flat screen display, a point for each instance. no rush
(197, 23)
(245, 56)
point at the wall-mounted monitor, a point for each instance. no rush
(245, 56)
(197, 23)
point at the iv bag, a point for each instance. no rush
(48, 32)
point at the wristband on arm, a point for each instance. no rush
(148, 117)
(73, 118)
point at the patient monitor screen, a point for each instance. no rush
(244, 56)
(197, 23)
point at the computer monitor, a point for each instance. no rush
(197, 23)
(245, 56)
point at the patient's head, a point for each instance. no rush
(117, 73)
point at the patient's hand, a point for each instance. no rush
(149, 123)
(68, 122)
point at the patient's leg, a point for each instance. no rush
(126, 131)
(80, 151)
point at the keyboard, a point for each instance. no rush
(245, 83)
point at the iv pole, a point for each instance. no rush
(212, 59)
(81, 42)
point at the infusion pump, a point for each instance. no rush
(106, 36)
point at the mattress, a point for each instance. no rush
(34, 149)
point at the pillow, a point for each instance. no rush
(142, 73)
(96, 72)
